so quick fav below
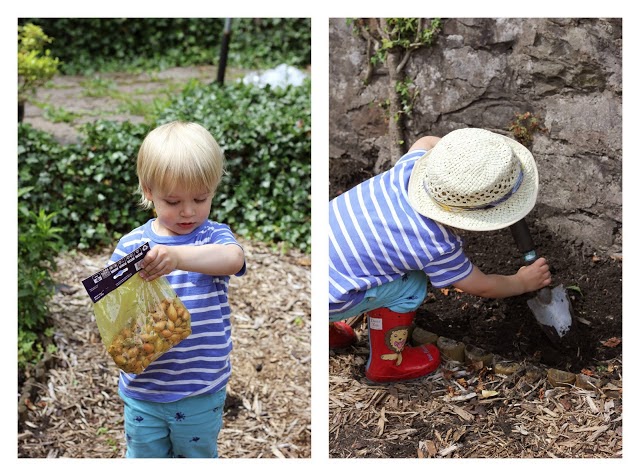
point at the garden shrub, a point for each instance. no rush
(38, 245)
(35, 63)
(91, 185)
(86, 45)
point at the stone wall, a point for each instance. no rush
(481, 73)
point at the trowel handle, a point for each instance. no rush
(520, 232)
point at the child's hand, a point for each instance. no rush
(534, 276)
(160, 260)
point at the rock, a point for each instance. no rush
(587, 383)
(506, 368)
(450, 349)
(560, 378)
(476, 354)
(421, 336)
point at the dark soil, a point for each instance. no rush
(508, 328)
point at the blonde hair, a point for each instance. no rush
(179, 154)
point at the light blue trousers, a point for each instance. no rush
(187, 428)
(402, 295)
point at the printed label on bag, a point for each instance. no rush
(109, 278)
(375, 323)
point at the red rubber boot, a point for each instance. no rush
(341, 335)
(390, 359)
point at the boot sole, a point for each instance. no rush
(396, 380)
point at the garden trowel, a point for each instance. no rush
(550, 307)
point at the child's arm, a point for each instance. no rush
(527, 279)
(426, 143)
(214, 260)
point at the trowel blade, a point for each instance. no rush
(554, 314)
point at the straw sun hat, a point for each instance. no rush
(474, 179)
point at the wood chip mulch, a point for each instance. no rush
(468, 411)
(72, 410)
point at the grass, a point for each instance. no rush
(139, 107)
(97, 86)
(60, 114)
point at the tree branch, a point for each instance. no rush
(371, 40)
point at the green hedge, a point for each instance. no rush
(86, 45)
(91, 186)
(265, 134)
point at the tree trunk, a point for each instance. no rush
(20, 111)
(396, 137)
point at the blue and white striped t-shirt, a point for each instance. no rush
(200, 364)
(376, 237)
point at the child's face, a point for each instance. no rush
(179, 212)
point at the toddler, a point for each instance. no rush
(391, 233)
(174, 407)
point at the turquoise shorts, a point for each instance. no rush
(187, 428)
(402, 295)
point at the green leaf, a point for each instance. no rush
(574, 288)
